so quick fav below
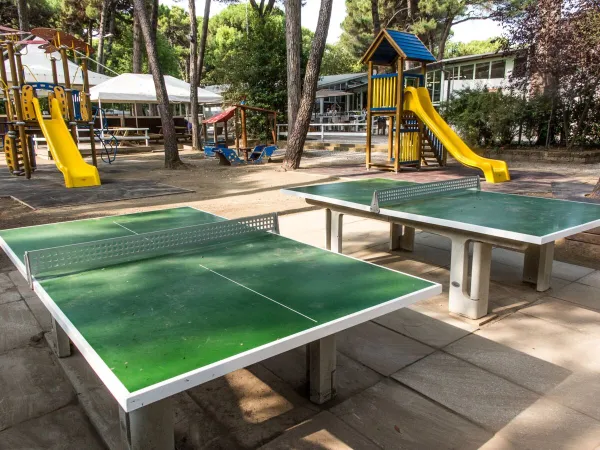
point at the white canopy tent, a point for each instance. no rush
(37, 67)
(139, 88)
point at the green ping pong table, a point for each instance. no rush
(459, 210)
(160, 302)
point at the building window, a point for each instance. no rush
(482, 71)
(498, 69)
(466, 72)
(453, 74)
(434, 84)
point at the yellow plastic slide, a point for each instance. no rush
(64, 151)
(417, 100)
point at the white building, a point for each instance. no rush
(492, 70)
(443, 78)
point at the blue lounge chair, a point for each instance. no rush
(264, 154)
(256, 152)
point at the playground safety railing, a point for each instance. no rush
(436, 146)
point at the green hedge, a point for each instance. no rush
(496, 118)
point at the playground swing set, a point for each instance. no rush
(417, 133)
(68, 108)
(242, 153)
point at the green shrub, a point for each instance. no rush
(486, 118)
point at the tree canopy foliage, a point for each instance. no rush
(431, 20)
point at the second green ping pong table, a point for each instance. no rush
(160, 302)
(461, 211)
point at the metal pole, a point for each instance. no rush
(88, 105)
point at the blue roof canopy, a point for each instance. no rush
(389, 45)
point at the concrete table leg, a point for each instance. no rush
(402, 237)
(480, 278)
(149, 427)
(60, 340)
(333, 230)
(473, 304)
(321, 365)
(537, 267)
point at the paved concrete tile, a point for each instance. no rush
(253, 404)
(6, 264)
(31, 384)
(6, 284)
(323, 432)
(569, 272)
(402, 264)
(428, 254)
(582, 294)
(395, 417)
(382, 350)
(499, 443)
(532, 373)
(581, 392)
(505, 293)
(548, 425)
(9, 295)
(195, 429)
(78, 371)
(421, 327)
(17, 325)
(40, 312)
(545, 340)
(433, 240)
(67, 428)
(444, 316)
(565, 314)
(102, 411)
(21, 284)
(480, 396)
(593, 279)
(508, 257)
(352, 377)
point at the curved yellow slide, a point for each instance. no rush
(417, 100)
(64, 151)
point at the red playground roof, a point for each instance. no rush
(222, 116)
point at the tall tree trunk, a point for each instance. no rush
(138, 55)
(199, 63)
(153, 7)
(172, 160)
(111, 35)
(193, 76)
(375, 16)
(203, 37)
(104, 12)
(293, 40)
(444, 38)
(297, 136)
(23, 11)
(411, 7)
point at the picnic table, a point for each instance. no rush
(130, 134)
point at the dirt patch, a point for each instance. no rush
(228, 191)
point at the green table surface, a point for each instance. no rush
(533, 216)
(152, 320)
